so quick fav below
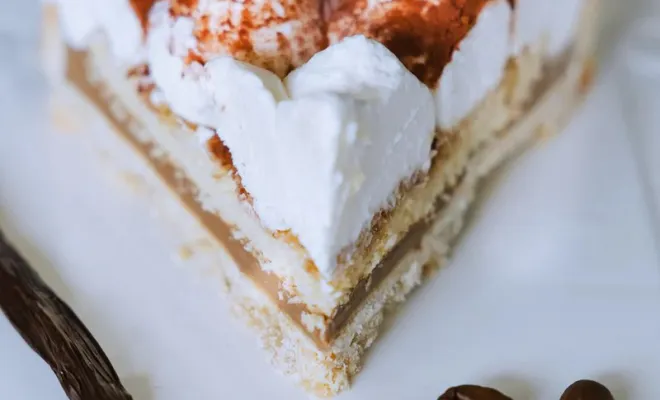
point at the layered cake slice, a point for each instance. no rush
(331, 146)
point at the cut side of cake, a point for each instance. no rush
(331, 147)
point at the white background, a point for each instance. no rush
(557, 278)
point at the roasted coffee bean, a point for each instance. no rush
(472, 392)
(587, 390)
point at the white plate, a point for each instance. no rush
(557, 278)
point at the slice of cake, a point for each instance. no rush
(332, 147)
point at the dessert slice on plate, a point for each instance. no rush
(331, 147)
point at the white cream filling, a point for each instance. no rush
(115, 18)
(477, 67)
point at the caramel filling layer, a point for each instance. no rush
(269, 283)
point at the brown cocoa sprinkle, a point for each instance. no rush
(472, 392)
(587, 390)
(221, 153)
(422, 34)
(233, 32)
(138, 71)
(146, 88)
(194, 57)
(183, 8)
(54, 332)
(141, 9)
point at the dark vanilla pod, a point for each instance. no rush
(54, 332)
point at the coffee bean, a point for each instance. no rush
(587, 390)
(472, 392)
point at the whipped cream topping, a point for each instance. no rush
(477, 66)
(320, 153)
(115, 18)
(324, 150)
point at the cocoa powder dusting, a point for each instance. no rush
(422, 34)
(138, 71)
(194, 57)
(141, 8)
(246, 22)
(183, 8)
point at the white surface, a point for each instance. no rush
(557, 278)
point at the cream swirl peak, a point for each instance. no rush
(459, 48)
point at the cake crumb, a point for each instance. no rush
(205, 244)
(185, 252)
(588, 75)
(62, 119)
(545, 132)
(134, 182)
(313, 322)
